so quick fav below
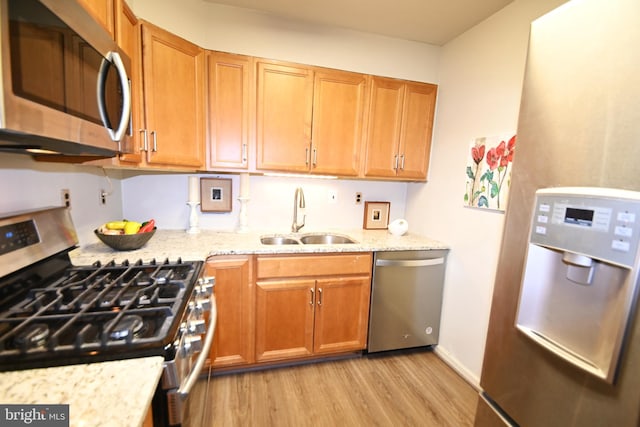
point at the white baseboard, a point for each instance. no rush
(467, 375)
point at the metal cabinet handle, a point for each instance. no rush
(395, 162)
(311, 301)
(402, 161)
(319, 296)
(315, 156)
(244, 153)
(145, 140)
(154, 135)
(306, 156)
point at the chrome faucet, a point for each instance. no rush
(298, 201)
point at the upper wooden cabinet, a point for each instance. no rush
(103, 12)
(283, 122)
(174, 90)
(309, 119)
(228, 110)
(400, 129)
(338, 114)
(127, 32)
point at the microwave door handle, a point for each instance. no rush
(114, 58)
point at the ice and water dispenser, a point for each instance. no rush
(581, 272)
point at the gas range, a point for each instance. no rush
(53, 313)
(94, 313)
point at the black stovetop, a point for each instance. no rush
(53, 313)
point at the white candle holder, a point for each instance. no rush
(193, 218)
(243, 223)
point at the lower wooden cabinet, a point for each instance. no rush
(274, 308)
(233, 339)
(311, 305)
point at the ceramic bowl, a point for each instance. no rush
(125, 242)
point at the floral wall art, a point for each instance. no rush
(488, 172)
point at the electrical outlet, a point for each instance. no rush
(358, 198)
(103, 197)
(65, 195)
(333, 196)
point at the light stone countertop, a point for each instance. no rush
(121, 404)
(171, 244)
(104, 394)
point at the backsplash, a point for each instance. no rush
(27, 185)
(270, 206)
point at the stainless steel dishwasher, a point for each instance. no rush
(406, 299)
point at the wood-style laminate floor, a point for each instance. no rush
(410, 389)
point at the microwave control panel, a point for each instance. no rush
(597, 222)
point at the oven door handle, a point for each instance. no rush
(185, 387)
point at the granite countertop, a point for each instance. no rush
(120, 404)
(101, 394)
(172, 244)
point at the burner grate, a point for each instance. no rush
(98, 308)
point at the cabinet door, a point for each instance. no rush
(283, 122)
(173, 73)
(233, 343)
(383, 133)
(128, 38)
(338, 110)
(284, 319)
(417, 128)
(342, 314)
(228, 111)
(101, 11)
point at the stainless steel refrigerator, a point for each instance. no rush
(579, 126)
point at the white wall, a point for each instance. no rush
(27, 185)
(243, 31)
(163, 197)
(481, 76)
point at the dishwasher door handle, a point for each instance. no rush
(409, 262)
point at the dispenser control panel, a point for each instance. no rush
(601, 223)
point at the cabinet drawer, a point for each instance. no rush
(313, 265)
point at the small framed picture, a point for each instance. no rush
(376, 215)
(215, 194)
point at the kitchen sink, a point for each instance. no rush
(308, 239)
(278, 240)
(325, 239)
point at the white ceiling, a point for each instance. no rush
(428, 21)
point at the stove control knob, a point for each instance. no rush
(205, 286)
(197, 326)
(203, 304)
(192, 344)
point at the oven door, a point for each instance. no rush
(192, 350)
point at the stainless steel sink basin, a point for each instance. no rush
(278, 240)
(325, 239)
(318, 238)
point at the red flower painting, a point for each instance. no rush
(486, 187)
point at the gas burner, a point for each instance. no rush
(128, 327)
(33, 336)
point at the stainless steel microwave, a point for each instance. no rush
(65, 86)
